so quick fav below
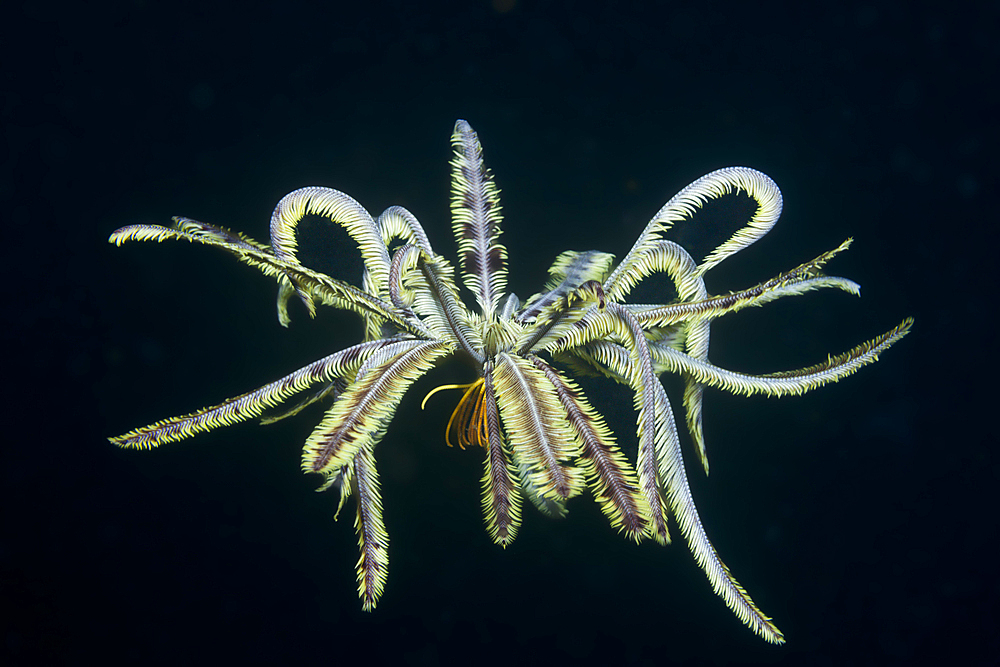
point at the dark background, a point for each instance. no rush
(861, 517)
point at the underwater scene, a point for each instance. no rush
(607, 335)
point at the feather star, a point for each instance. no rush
(541, 437)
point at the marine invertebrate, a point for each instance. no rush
(542, 439)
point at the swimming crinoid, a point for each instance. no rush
(541, 436)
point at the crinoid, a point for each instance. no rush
(540, 435)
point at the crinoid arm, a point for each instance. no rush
(373, 540)
(308, 283)
(341, 365)
(501, 492)
(783, 383)
(475, 211)
(354, 420)
(542, 442)
(609, 474)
